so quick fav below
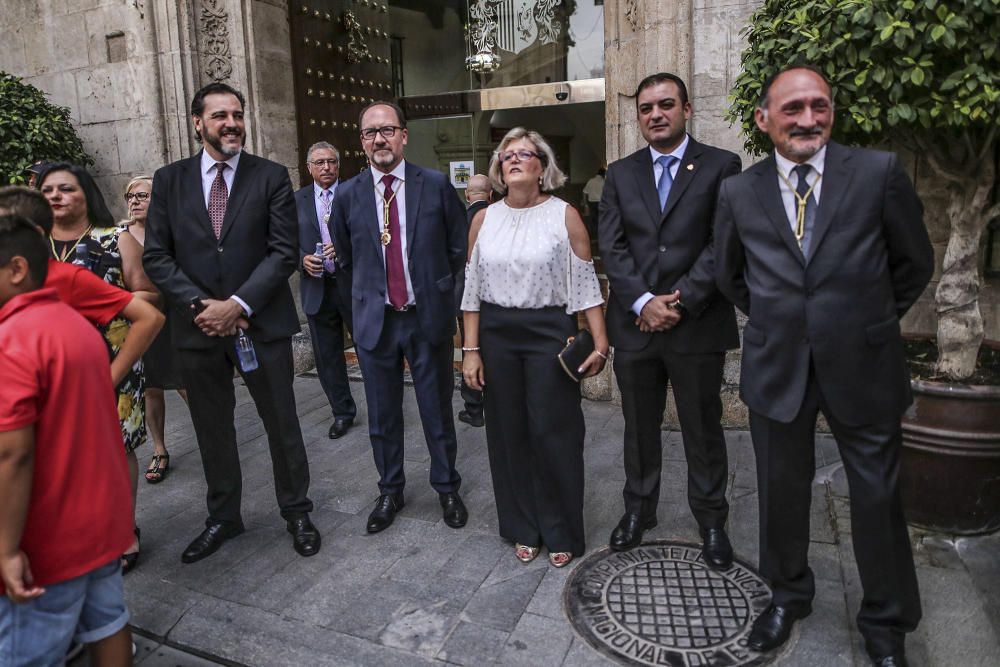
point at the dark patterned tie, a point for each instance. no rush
(394, 278)
(802, 171)
(218, 197)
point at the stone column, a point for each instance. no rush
(641, 37)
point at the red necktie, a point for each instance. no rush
(394, 278)
(218, 196)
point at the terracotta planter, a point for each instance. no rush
(950, 475)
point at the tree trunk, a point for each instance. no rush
(960, 322)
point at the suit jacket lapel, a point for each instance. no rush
(309, 203)
(642, 170)
(414, 184)
(685, 174)
(770, 199)
(836, 179)
(196, 194)
(242, 181)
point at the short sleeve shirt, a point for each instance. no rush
(55, 372)
(85, 293)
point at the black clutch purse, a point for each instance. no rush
(577, 349)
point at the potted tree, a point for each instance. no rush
(32, 129)
(923, 75)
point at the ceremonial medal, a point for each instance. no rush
(386, 237)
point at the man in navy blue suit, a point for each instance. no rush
(321, 301)
(399, 234)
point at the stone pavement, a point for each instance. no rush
(422, 593)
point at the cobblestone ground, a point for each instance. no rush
(422, 593)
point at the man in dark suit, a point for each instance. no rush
(478, 193)
(399, 234)
(221, 235)
(666, 319)
(321, 301)
(824, 248)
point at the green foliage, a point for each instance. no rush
(924, 69)
(32, 129)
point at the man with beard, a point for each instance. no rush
(399, 231)
(221, 242)
(824, 248)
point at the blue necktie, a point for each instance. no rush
(666, 180)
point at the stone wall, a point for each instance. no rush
(99, 58)
(127, 70)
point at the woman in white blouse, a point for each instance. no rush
(529, 273)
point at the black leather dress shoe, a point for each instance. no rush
(894, 660)
(716, 549)
(385, 512)
(628, 533)
(305, 538)
(471, 418)
(339, 427)
(455, 514)
(772, 628)
(209, 541)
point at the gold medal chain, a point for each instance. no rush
(802, 201)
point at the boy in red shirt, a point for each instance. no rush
(66, 507)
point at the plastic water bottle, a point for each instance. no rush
(319, 250)
(245, 352)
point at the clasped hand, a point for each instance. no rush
(221, 318)
(660, 313)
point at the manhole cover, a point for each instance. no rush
(659, 604)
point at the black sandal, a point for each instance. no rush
(129, 561)
(159, 467)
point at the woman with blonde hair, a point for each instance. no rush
(158, 362)
(529, 274)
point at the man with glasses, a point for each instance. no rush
(399, 234)
(326, 311)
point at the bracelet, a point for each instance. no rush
(602, 356)
(470, 349)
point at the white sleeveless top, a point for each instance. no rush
(523, 259)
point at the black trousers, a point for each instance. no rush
(434, 384)
(208, 376)
(696, 378)
(785, 468)
(534, 427)
(326, 329)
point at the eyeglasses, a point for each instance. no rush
(387, 131)
(332, 162)
(138, 196)
(522, 156)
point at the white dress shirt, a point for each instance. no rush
(785, 167)
(208, 172)
(654, 154)
(399, 187)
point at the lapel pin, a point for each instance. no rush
(690, 166)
